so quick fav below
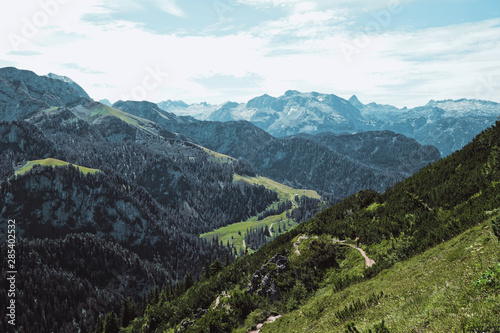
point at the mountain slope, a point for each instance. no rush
(67, 282)
(154, 195)
(449, 125)
(458, 194)
(302, 161)
(433, 291)
(73, 84)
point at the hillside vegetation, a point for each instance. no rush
(251, 234)
(451, 287)
(445, 289)
(52, 162)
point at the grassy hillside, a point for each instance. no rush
(436, 291)
(218, 157)
(100, 111)
(52, 162)
(234, 234)
(437, 263)
(284, 192)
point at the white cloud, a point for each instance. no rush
(300, 51)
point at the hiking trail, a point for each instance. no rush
(271, 319)
(368, 261)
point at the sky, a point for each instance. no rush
(398, 52)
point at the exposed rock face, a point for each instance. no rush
(263, 281)
(66, 79)
(23, 93)
(224, 113)
(23, 137)
(54, 202)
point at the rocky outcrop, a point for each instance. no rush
(53, 202)
(72, 83)
(22, 93)
(263, 281)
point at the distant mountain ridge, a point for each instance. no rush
(447, 124)
(374, 160)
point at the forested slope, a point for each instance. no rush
(440, 202)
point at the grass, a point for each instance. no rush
(431, 292)
(52, 162)
(284, 192)
(218, 157)
(235, 233)
(101, 111)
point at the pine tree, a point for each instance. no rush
(111, 323)
(216, 267)
(188, 281)
(128, 311)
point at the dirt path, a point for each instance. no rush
(297, 242)
(369, 262)
(270, 227)
(271, 319)
(217, 300)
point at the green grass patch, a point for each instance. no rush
(235, 233)
(284, 192)
(218, 157)
(101, 111)
(53, 163)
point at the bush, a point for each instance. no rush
(490, 278)
(495, 225)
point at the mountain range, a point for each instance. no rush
(111, 200)
(447, 124)
(329, 163)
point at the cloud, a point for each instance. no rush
(81, 68)
(297, 46)
(267, 3)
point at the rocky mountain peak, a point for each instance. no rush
(261, 101)
(22, 93)
(66, 79)
(355, 102)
